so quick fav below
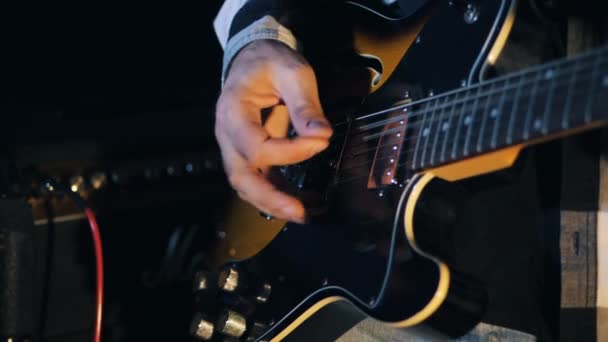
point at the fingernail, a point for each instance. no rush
(317, 124)
(294, 213)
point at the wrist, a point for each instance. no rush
(261, 32)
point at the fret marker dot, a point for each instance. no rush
(538, 124)
(467, 120)
(398, 135)
(395, 148)
(425, 132)
(494, 113)
(392, 161)
(405, 109)
(388, 173)
(605, 81)
(401, 122)
(445, 126)
(549, 74)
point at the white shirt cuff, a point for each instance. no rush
(265, 28)
(224, 18)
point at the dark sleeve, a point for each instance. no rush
(290, 12)
(285, 12)
(282, 20)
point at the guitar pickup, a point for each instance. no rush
(386, 159)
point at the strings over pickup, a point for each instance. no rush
(386, 159)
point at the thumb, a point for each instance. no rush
(299, 92)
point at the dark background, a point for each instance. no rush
(127, 90)
(84, 60)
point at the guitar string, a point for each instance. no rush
(381, 134)
(566, 66)
(410, 150)
(405, 163)
(555, 86)
(412, 114)
(571, 62)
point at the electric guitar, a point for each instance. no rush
(381, 195)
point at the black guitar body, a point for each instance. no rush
(381, 253)
(369, 262)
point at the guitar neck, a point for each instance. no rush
(521, 108)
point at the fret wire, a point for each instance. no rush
(404, 164)
(577, 91)
(438, 131)
(507, 86)
(594, 74)
(531, 106)
(461, 138)
(552, 86)
(417, 124)
(459, 125)
(413, 113)
(553, 74)
(427, 132)
(425, 110)
(566, 112)
(499, 115)
(447, 132)
(484, 118)
(513, 75)
(514, 111)
(419, 136)
(471, 119)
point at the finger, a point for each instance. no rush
(259, 149)
(255, 189)
(241, 127)
(283, 151)
(298, 89)
(247, 138)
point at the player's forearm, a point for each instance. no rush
(241, 22)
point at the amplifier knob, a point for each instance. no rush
(202, 281)
(201, 328)
(228, 279)
(232, 324)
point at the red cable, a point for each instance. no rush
(98, 271)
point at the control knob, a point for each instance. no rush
(201, 328)
(232, 323)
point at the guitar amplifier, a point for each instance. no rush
(20, 287)
(144, 175)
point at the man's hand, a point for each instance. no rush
(268, 74)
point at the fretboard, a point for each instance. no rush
(509, 110)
